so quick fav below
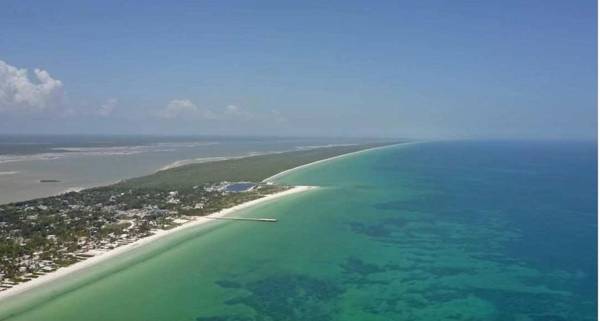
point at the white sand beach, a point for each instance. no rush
(87, 263)
(281, 174)
(107, 255)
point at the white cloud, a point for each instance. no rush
(19, 92)
(235, 111)
(185, 108)
(232, 110)
(107, 108)
(177, 107)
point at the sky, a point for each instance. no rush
(414, 69)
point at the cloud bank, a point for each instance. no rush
(20, 93)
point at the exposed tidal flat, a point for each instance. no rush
(75, 162)
(433, 231)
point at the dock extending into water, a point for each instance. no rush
(255, 219)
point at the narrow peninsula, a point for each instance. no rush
(49, 235)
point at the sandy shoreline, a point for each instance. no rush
(82, 265)
(330, 159)
(178, 163)
(90, 262)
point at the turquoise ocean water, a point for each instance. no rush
(431, 231)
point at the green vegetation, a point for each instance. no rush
(252, 169)
(41, 235)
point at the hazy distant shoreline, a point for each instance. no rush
(288, 171)
(89, 162)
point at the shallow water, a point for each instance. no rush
(76, 162)
(433, 231)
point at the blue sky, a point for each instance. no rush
(478, 69)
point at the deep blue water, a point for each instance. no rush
(546, 190)
(522, 214)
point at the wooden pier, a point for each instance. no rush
(255, 219)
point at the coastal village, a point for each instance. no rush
(43, 235)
